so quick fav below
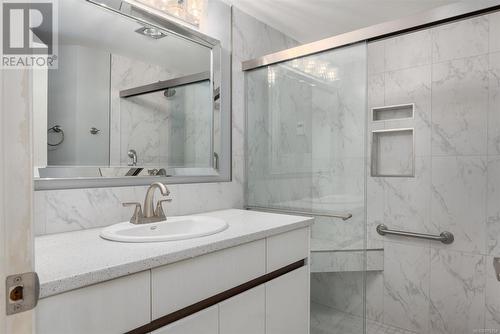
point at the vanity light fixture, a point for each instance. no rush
(151, 32)
(189, 11)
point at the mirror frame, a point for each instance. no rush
(221, 82)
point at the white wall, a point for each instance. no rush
(66, 210)
(78, 100)
(40, 85)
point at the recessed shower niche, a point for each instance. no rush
(395, 112)
(393, 153)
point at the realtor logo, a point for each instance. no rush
(29, 34)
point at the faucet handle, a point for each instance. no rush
(159, 208)
(136, 217)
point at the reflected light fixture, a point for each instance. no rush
(189, 11)
(319, 69)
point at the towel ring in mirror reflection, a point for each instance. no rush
(56, 129)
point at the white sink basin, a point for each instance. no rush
(174, 228)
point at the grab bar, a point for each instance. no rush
(301, 213)
(445, 237)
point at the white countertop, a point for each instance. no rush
(68, 261)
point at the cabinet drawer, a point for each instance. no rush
(111, 307)
(203, 322)
(187, 282)
(244, 313)
(284, 249)
(287, 303)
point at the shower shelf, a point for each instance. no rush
(328, 257)
(394, 112)
(393, 153)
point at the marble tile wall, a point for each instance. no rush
(279, 159)
(142, 122)
(172, 131)
(306, 152)
(68, 210)
(452, 74)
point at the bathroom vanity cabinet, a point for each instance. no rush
(257, 287)
(277, 307)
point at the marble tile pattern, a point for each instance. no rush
(69, 210)
(459, 200)
(327, 320)
(494, 20)
(461, 39)
(279, 159)
(493, 209)
(340, 291)
(492, 313)
(306, 141)
(460, 106)
(401, 51)
(346, 261)
(453, 79)
(457, 295)
(136, 122)
(406, 281)
(172, 131)
(306, 152)
(494, 104)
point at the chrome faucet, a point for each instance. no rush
(150, 213)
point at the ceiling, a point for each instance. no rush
(311, 20)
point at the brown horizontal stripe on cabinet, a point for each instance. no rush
(216, 299)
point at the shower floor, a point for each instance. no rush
(326, 320)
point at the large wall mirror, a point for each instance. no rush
(135, 98)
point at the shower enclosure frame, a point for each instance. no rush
(426, 19)
(345, 214)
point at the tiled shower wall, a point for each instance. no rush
(68, 210)
(161, 130)
(452, 74)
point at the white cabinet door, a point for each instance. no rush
(184, 283)
(115, 306)
(244, 313)
(287, 248)
(203, 322)
(287, 303)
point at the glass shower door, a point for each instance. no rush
(306, 153)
